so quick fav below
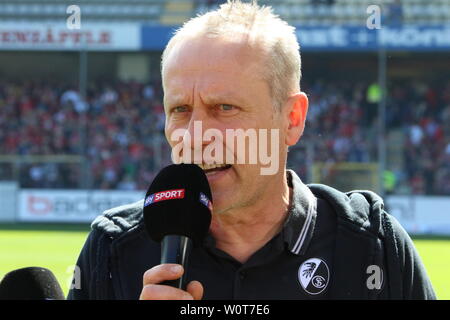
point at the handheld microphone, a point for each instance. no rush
(32, 283)
(177, 213)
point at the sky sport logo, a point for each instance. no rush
(204, 199)
(164, 195)
(314, 275)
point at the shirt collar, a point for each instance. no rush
(299, 225)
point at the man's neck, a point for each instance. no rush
(242, 232)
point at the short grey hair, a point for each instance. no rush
(275, 36)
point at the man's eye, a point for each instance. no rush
(226, 107)
(179, 109)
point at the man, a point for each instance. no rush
(271, 236)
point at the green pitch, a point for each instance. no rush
(435, 254)
(42, 246)
(57, 247)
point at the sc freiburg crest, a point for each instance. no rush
(314, 275)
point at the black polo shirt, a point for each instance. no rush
(296, 264)
(322, 252)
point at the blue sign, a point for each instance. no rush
(156, 37)
(410, 38)
(339, 38)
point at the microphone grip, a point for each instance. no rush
(176, 249)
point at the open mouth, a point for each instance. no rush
(209, 169)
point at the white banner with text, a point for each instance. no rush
(421, 215)
(78, 206)
(91, 37)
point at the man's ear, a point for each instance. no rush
(296, 109)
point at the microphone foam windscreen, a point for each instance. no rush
(179, 202)
(32, 283)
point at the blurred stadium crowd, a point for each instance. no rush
(342, 125)
(124, 118)
(46, 119)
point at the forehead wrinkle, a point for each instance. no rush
(174, 92)
(207, 89)
(211, 97)
(208, 92)
(173, 99)
(251, 65)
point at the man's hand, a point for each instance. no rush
(152, 290)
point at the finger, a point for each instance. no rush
(162, 292)
(195, 288)
(162, 272)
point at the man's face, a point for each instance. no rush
(219, 83)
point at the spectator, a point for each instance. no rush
(125, 123)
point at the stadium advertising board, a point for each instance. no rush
(421, 215)
(354, 38)
(417, 214)
(93, 37)
(335, 38)
(78, 206)
(134, 37)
